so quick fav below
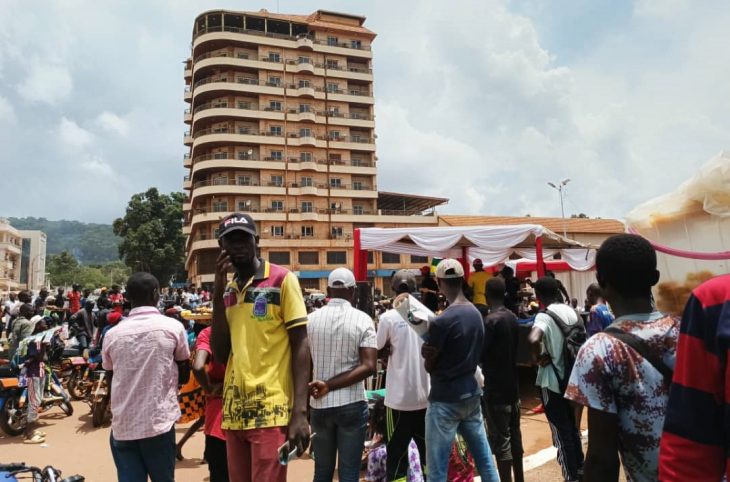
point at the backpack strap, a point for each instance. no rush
(640, 346)
(564, 327)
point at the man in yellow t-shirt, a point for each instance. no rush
(259, 327)
(478, 284)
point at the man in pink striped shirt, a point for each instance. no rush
(147, 356)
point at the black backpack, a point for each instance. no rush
(574, 336)
(639, 345)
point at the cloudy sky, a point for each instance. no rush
(481, 101)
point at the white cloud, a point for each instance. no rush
(97, 166)
(113, 123)
(7, 113)
(72, 135)
(46, 82)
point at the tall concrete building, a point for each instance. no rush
(10, 252)
(282, 126)
(33, 260)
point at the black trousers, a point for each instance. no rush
(566, 436)
(215, 455)
(404, 425)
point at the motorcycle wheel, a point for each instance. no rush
(12, 418)
(98, 411)
(76, 387)
(67, 408)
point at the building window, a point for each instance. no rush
(307, 231)
(306, 182)
(357, 185)
(335, 158)
(305, 156)
(244, 105)
(356, 162)
(244, 129)
(335, 207)
(305, 132)
(275, 130)
(279, 257)
(309, 283)
(304, 60)
(419, 259)
(391, 258)
(277, 155)
(245, 155)
(277, 231)
(333, 88)
(307, 207)
(332, 41)
(356, 44)
(304, 83)
(220, 155)
(277, 205)
(244, 180)
(334, 135)
(335, 182)
(274, 81)
(277, 181)
(308, 257)
(305, 108)
(332, 64)
(275, 105)
(371, 257)
(337, 257)
(274, 57)
(336, 231)
(357, 209)
(244, 206)
(220, 181)
(220, 206)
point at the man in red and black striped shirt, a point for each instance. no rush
(695, 444)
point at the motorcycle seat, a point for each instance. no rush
(71, 352)
(78, 360)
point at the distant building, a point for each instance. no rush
(33, 260)
(10, 252)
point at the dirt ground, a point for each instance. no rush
(74, 446)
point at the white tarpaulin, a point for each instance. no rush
(492, 244)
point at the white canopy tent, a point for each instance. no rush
(492, 244)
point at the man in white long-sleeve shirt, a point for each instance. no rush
(407, 384)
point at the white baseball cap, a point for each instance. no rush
(449, 268)
(341, 277)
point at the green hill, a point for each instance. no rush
(90, 243)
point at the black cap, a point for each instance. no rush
(237, 222)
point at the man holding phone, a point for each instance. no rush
(260, 328)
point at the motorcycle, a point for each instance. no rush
(79, 383)
(8, 472)
(14, 397)
(100, 400)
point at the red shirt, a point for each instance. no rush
(117, 301)
(74, 301)
(216, 374)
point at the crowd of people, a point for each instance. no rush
(279, 377)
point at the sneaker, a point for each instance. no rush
(35, 439)
(537, 410)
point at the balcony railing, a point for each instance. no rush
(240, 130)
(223, 28)
(347, 115)
(355, 139)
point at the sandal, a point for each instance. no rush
(35, 439)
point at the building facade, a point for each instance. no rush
(282, 126)
(10, 253)
(33, 260)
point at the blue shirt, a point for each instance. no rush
(458, 334)
(598, 319)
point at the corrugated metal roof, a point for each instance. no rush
(572, 225)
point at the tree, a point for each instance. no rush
(62, 268)
(151, 232)
(579, 216)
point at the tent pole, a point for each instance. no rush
(465, 261)
(360, 255)
(539, 256)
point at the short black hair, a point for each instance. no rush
(507, 271)
(453, 282)
(594, 288)
(496, 289)
(26, 310)
(547, 288)
(627, 263)
(141, 288)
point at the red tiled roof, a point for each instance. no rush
(572, 225)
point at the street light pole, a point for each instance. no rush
(559, 188)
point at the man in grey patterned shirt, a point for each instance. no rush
(343, 345)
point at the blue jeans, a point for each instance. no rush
(443, 421)
(137, 459)
(340, 432)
